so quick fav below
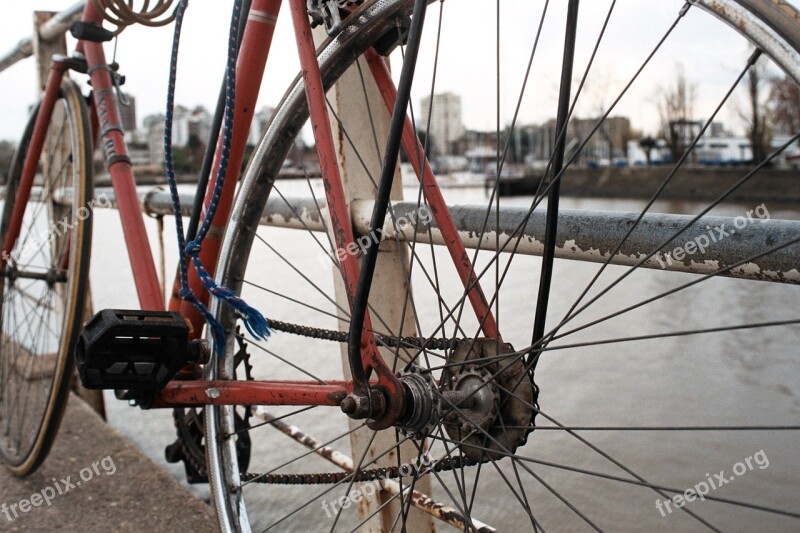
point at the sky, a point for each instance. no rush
(708, 52)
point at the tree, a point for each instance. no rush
(6, 154)
(648, 144)
(754, 116)
(676, 111)
(784, 105)
(180, 160)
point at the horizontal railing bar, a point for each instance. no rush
(50, 30)
(708, 245)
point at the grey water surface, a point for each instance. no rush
(745, 377)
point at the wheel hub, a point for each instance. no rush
(422, 404)
(473, 400)
(489, 400)
(486, 400)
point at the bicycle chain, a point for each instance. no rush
(368, 474)
(373, 474)
(389, 341)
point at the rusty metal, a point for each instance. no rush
(368, 358)
(742, 20)
(31, 164)
(506, 399)
(588, 236)
(197, 393)
(432, 343)
(435, 200)
(384, 476)
(49, 31)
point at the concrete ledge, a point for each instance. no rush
(689, 183)
(121, 489)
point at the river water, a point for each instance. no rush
(748, 377)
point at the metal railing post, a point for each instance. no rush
(54, 28)
(391, 310)
(45, 48)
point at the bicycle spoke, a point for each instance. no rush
(479, 414)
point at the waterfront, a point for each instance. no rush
(748, 377)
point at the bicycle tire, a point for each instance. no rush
(780, 15)
(45, 375)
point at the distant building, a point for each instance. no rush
(606, 143)
(260, 121)
(722, 150)
(446, 126)
(138, 146)
(155, 143)
(719, 146)
(151, 136)
(189, 128)
(790, 156)
(152, 120)
(187, 125)
(180, 126)
(533, 144)
(199, 125)
(717, 129)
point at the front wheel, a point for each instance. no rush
(44, 283)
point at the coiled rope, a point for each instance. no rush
(123, 13)
(253, 320)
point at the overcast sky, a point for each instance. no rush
(708, 51)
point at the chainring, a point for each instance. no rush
(189, 447)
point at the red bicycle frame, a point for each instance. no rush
(254, 50)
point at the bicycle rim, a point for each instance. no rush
(519, 483)
(41, 317)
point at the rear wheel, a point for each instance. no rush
(636, 386)
(44, 284)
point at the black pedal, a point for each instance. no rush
(134, 350)
(89, 31)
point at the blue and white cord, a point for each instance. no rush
(254, 322)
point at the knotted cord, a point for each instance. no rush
(253, 320)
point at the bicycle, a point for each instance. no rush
(433, 400)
